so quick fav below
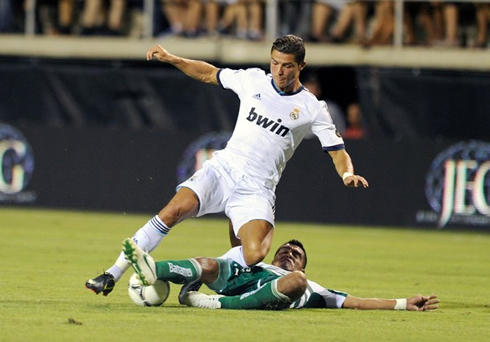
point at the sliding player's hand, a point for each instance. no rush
(422, 303)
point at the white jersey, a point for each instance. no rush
(315, 296)
(271, 125)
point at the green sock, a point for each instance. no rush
(267, 297)
(178, 271)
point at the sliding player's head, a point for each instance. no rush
(291, 256)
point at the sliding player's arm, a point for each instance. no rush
(415, 303)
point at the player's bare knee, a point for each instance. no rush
(299, 281)
(210, 269)
(293, 285)
(252, 259)
(298, 284)
(253, 254)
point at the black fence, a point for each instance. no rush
(412, 182)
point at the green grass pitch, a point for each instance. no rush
(47, 255)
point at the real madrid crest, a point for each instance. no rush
(294, 115)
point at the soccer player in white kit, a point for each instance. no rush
(276, 113)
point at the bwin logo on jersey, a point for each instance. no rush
(265, 122)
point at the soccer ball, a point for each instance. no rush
(154, 295)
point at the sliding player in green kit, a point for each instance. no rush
(279, 285)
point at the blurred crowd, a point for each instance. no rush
(368, 23)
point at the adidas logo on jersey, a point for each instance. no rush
(256, 96)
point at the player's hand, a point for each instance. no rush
(356, 181)
(158, 52)
(422, 303)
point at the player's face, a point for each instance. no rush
(285, 71)
(290, 258)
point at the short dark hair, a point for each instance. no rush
(291, 44)
(300, 245)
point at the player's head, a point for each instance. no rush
(291, 256)
(291, 45)
(287, 61)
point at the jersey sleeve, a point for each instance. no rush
(317, 296)
(232, 79)
(324, 128)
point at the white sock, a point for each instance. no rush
(235, 254)
(147, 238)
(118, 269)
(150, 235)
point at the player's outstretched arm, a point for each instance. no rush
(198, 70)
(415, 303)
(345, 169)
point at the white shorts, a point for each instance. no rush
(221, 189)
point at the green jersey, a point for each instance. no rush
(242, 280)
